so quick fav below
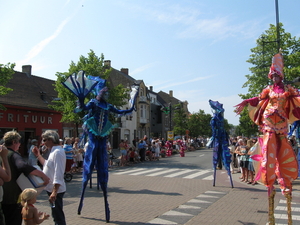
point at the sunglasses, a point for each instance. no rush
(44, 140)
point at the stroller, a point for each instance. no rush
(68, 177)
(113, 159)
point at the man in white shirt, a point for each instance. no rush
(54, 168)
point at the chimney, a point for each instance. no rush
(171, 93)
(26, 69)
(124, 70)
(107, 63)
(151, 88)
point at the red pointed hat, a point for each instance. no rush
(277, 66)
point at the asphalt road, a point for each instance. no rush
(173, 190)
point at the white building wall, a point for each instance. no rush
(128, 126)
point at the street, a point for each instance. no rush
(174, 190)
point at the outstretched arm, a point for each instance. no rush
(133, 96)
(252, 101)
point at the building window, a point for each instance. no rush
(141, 91)
(142, 111)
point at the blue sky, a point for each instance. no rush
(197, 48)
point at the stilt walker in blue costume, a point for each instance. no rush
(96, 126)
(219, 140)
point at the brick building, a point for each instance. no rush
(27, 107)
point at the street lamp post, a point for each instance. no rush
(277, 24)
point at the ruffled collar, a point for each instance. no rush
(278, 88)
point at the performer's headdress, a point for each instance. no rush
(100, 88)
(277, 66)
(216, 107)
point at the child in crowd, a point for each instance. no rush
(137, 157)
(30, 214)
(131, 155)
(74, 165)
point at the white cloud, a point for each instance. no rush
(142, 68)
(181, 82)
(40, 46)
(67, 2)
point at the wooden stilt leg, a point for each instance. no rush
(289, 208)
(271, 208)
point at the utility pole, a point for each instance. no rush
(277, 25)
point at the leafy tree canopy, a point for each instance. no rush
(261, 59)
(180, 120)
(94, 66)
(6, 73)
(199, 124)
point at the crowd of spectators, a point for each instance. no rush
(241, 148)
(151, 149)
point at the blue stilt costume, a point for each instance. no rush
(97, 126)
(219, 140)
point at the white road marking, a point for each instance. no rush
(146, 171)
(162, 172)
(176, 213)
(197, 174)
(179, 173)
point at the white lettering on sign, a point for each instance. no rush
(34, 119)
(42, 119)
(10, 117)
(26, 118)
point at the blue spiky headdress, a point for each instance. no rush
(100, 87)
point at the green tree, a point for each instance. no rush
(180, 120)
(199, 124)
(261, 59)
(94, 66)
(227, 126)
(247, 127)
(6, 73)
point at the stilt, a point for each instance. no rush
(214, 177)
(231, 180)
(289, 209)
(84, 184)
(271, 207)
(107, 211)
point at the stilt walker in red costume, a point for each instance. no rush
(272, 110)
